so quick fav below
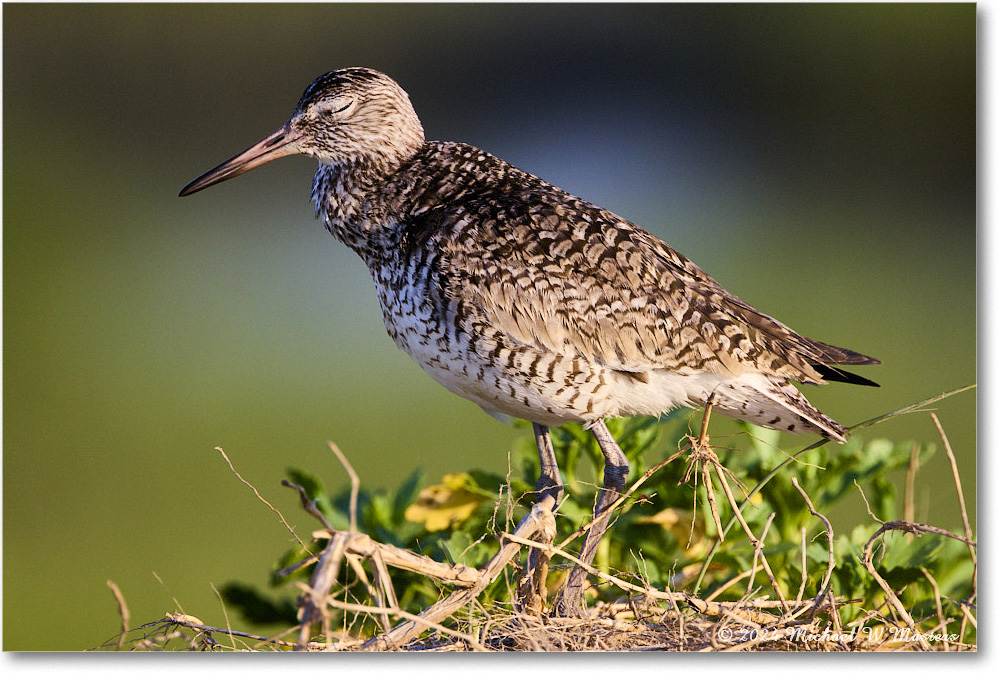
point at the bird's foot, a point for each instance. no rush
(615, 475)
(531, 588)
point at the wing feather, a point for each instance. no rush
(557, 273)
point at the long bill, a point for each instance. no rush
(282, 142)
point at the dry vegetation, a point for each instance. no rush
(633, 616)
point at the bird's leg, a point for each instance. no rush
(549, 480)
(615, 473)
(531, 587)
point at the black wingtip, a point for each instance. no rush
(832, 374)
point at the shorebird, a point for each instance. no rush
(531, 302)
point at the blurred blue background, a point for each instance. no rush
(819, 161)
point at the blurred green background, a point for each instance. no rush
(819, 161)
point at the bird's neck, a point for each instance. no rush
(348, 197)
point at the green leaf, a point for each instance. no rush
(257, 607)
(907, 551)
(406, 494)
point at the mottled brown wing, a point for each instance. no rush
(558, 273)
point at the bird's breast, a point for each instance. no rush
(470, 355)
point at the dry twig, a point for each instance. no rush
(355, 486)
(439, 611)
(961, 501)
(269, 505)
(831, 564)
(122, 612)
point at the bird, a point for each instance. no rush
(529, 301)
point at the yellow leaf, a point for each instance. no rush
(440, 506)
(678, 523)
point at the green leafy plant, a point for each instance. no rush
(665, 535)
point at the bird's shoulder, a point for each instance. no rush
(476, 203)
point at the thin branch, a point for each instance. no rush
(195, 624)
(364, 546)
(802, 562)
(890, 594)
(911, 474)
(355, 485)
(758, 544)
(225, 615)
(920, 528)
(381, 574)
(728, 584)
(269, 505)
(942, 622)
(706, 479)
(868, 507)
(448, 606)
(122, 612)
(911, 528)
(823, 441)
(308, 505)
(323, 579)
(829, 541)
(374, 592)
(961, 498)
(385, 611)
(919, 406)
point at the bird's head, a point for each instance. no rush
(348, 116)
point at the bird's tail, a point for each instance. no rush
(775, 404)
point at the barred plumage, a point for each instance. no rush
(525, 299)
(539, 305)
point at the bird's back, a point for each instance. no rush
(537, 304)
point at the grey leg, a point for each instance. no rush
(615, 474)
(549, 478)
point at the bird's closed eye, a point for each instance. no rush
(335, 106)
